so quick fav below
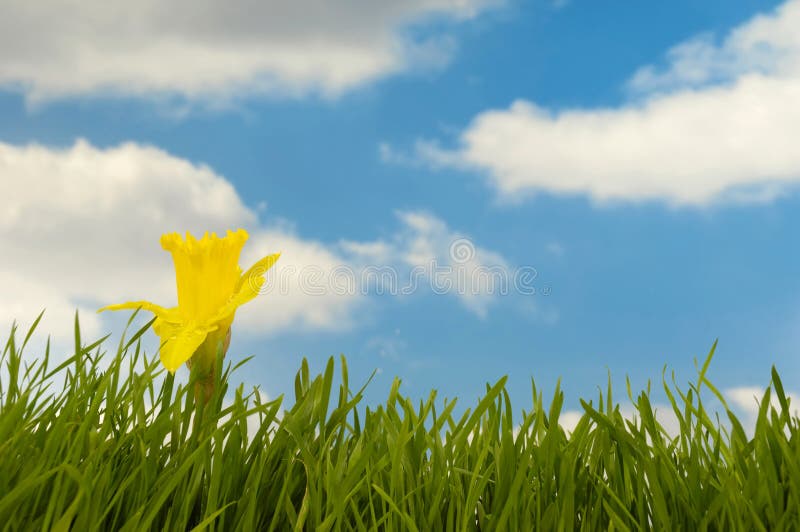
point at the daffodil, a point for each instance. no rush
(211, 287)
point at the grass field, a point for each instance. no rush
(127, 448)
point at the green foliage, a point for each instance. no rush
(126, 448)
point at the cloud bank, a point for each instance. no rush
(53, 49)
(718, 122)
(81, 225)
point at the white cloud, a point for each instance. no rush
(664, 415)
(453, 262)
(768, 44)
(747, 398)
(52, 49)
(569, 419)
(378, 252)
(299, 293)
(24, 299)
(718, 123)
(743, 400)
(426, 255)
(80, 228)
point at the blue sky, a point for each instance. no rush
(649, 182)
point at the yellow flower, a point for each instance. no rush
(210, 289)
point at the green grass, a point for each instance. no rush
(126, 448)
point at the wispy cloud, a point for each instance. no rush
(425, 255)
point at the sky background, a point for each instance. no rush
(641, 158)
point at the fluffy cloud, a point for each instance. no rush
(742, 400)
(665, 416)
(747, 398)
(80, 228)
(718, 122)
(23, 300)
(52, 48)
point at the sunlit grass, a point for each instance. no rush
(123, 446)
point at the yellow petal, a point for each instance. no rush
(248, 286)
(205, 357)
(251, 282)
(179, 343)
(166, 314)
